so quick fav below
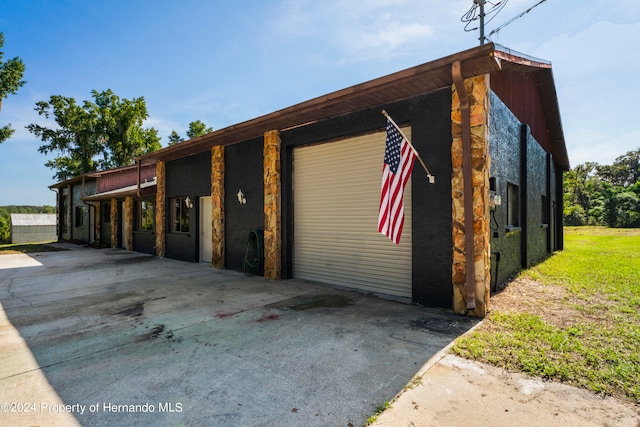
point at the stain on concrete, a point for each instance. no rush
(134, 310)
(441, 325)
(134, 260)
(268, 317)
(307, 302)
(156, 331)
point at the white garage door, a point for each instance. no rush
(336, 196)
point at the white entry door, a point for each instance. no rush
(205, 229)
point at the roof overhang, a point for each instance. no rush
(434, 75)
(145, 189)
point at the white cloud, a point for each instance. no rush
(593, 145)
(353, 31)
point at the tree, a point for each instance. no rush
(119, 128)
(175, 138)
(604, 195)
(11, 73)
(74, 138)
(196, 129)
(103, 134)
(625, 170)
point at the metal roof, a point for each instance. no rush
(33, 219)
(487, 58)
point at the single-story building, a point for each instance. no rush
(32, 228)
(298, 190)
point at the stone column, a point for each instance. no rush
(114, 223)
(272, 214)
(128, 219)
(478, 91)
(160, 208)
(217, 206)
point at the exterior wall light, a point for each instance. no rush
(241, 199)
(188, 203)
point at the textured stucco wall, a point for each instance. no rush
(506, 149)
(189, 176)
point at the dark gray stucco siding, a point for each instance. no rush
(189, 176)
(517, 158)
(536, 189)
(243, 171)
(430, 118)
(105, 226)
(504, 149)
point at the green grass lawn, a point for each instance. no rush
(27, 248)
(574, 318)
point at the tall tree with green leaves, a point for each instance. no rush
(102, 134)
(604, 194)
(75, 138)
(11, 73)
(119, 129)
(624, 171)
(196, 128)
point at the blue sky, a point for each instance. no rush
(226, 62)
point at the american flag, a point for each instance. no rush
(398, 164)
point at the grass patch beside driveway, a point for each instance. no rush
(574, 318)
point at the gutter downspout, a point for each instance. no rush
(138, 183)
(57, 213)
(465, 112)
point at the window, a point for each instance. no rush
(545, 211)
(79, 216)
(180, 215)
(106, 212)
(513, 205)
(145, 213)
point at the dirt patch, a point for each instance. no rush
(553, 303)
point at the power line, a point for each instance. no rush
(514, 18)
(478, 12)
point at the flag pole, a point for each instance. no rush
(432, 178)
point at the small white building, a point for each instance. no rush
(29, 228)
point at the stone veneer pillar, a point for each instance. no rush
(114, 223)
(217, 206)
(272, 202)
(160, 208)
(128, 220)
(478, 90)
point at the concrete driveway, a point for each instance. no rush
(110, 337)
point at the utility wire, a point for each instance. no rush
(514, 18)
(473, 13)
